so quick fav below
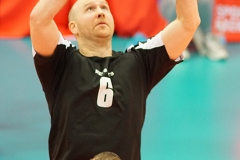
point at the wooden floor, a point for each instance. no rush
(192, 114)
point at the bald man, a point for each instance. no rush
(97, 96)
(106, 156)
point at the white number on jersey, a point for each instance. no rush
(105, 93)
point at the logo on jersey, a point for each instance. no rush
(104, 73)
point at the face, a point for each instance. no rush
(92, 18)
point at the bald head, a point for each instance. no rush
(71, 14)
(78, 5)
(106, 156)
(91, 19)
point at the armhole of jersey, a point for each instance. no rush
(61, 41)
(153, 42)
(180, 58)
(150, 43)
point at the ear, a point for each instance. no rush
(73, 27)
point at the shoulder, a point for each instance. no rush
(62, 46)
(150, 43)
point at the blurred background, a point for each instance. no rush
(192, 114)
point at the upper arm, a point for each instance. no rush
(43, 31)
(44, 39)
(176, 38)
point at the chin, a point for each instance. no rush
(104, 32)
(104, 35)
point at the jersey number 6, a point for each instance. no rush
(105, 93)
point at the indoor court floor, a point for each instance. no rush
(192, 114)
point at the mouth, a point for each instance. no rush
(102, 23)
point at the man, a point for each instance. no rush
(96, 96)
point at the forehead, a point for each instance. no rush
(83, 3)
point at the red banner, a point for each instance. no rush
(226, 19)
(14, 18)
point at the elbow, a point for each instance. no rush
(191, 25)
(34, 18)
(195, 23)
(38, 19)
(198, 21)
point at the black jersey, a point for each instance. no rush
(98, 104)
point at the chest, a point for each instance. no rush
(108, 72)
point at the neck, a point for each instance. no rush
(100, 47)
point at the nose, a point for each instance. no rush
(100, 12)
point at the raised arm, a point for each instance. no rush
(43, 30)
(178, 34)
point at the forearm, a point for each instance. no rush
(187, 13)
(43, 30)
(177, 35)
(45, 10)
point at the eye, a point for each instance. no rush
(104, 7)
(89, 8)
